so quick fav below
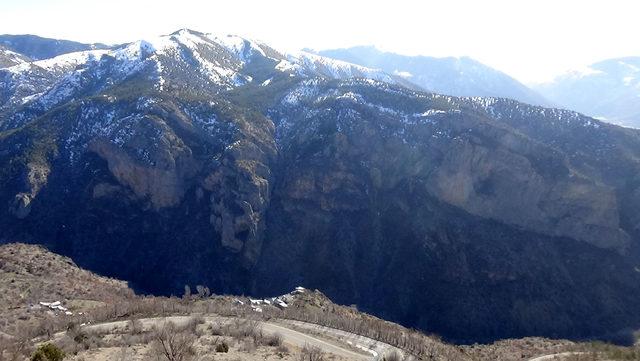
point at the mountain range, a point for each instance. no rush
(609, 90)
(215, 160)
(39, 48)
(457, 76)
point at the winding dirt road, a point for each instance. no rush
(347, 345)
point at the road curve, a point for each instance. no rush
(555, 356)
(289, 336)
(301, 339)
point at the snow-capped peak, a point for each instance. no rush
(241, 47)
(221, 62)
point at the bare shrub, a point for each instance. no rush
(215, 329)
(222, 347)
(240, 328)
(174, 343)
(273, 340)
(139, 339)
(77, 339)
(589, 356)
(48, 352)
(265, 339)
(76, 333)
(282, 350)
(69, 345)
(13, 349)
(198, 319)
(45, 327)
(203, 292)
(135, 327)
(311, 353)
(392, 356)
(248, 345)
(193, 323)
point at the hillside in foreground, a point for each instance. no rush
(101, 319)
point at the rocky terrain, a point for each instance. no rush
(105, 321)
(32, 279)
(220, 161)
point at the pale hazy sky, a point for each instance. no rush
(532, 40)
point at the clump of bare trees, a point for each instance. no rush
(251, 335)
(311, 353)
(174, 343)
(242, 328)
(202, 292)
(392, 356)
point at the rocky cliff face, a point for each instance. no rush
(443, 215)
(193, 159)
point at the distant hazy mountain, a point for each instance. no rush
(609, 90)
(38, 48)
(451, 76)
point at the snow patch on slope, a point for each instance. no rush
(332, 68)
(242, 48)
(11, 58)
(71, 60)
(495, 107)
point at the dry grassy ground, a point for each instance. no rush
(30, 274)
(197, 340)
